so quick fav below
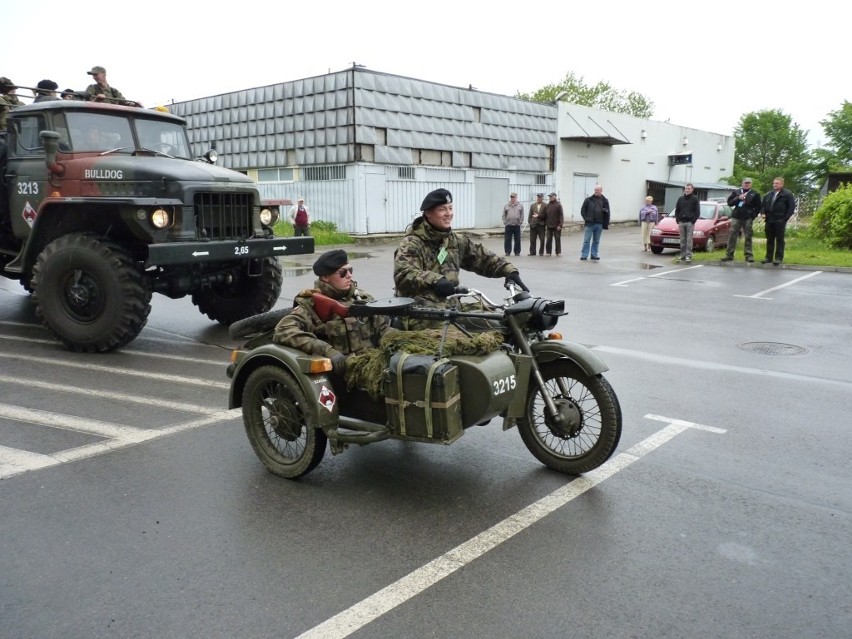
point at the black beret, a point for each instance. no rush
(436, 198)
(50, 85)
(330, 261)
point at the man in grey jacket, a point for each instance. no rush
(513, 217)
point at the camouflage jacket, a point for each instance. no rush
(417, 261)
(7, 102)
(113, 95)
(303, 329)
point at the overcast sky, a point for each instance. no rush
(702, 64)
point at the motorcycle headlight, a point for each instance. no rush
(545, 314)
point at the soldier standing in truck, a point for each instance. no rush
(101, 91)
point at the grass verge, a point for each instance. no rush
(324, 233)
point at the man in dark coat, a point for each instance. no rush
(778, 207)
(687, 212)
(746, 204)
(554, 218)
(595, 212)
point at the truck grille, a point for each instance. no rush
(223, 216)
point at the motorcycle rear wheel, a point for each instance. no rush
(276, 420)
(591, 426)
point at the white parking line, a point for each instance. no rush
(16, 462)
(777, 288)
(374, 606)
(658, 274)
(128, 372)
(146, 400)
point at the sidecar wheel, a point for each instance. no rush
(590, 424)
(276, 419)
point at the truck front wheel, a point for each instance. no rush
(243, 296)
(90, 293)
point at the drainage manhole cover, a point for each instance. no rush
(773, 348)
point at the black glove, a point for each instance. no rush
(444, 287)
(515, 278)
(338, 364)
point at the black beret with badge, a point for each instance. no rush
(436, 198)
(330, 261)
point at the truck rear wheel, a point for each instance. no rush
(243, 297)
(90, 293)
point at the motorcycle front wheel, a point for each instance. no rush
(276, 417)
(588, 426)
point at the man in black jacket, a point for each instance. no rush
(595, 212)
(746, 205)
(687, 212)
(778, 207)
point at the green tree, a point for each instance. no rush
(600, 96)
(837, 154)
(769, 144)
(838, 130)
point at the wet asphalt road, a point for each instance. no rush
(131, 504)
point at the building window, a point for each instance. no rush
(541, 180)
(275, 175)
(405, 172)
(323, 173)
(477, 114)
(365, 153)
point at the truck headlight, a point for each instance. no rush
(160, 219)
(268, 217)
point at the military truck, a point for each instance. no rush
(103, 205)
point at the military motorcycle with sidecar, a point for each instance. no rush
(552, 390)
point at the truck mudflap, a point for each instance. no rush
(227, 250)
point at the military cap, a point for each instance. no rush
(552, 195)
(747, 180)
(539, 194)
(96, 70)
(436, 198)
(330, 261)
(48, 85)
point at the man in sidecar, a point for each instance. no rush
(315, 326)
(427, 261)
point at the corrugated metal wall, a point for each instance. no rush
(336, 119)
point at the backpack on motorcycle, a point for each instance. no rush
(422, 398)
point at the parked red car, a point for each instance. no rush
(711, 230)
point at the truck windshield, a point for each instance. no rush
(108, 133)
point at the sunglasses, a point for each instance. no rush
(342, 272)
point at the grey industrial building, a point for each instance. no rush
(364, 147)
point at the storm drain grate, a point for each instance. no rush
(773, 348)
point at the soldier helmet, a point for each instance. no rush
(330, 261)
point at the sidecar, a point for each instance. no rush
(567, 414)
(292, 403)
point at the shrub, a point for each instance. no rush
(832, 223)
(325, 233)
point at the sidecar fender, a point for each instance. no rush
(317, 388)
(550, 350)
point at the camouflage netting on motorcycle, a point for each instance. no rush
(368, 369)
